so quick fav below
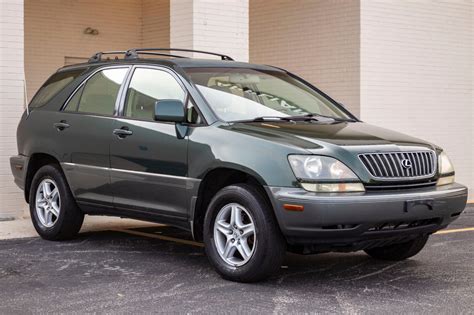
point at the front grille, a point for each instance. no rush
(400, 165)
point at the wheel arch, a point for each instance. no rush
(214, 180)
(35, 162)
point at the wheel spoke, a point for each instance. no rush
(229, 249)
(224, 228)
(48, 217)
(233, 213)
(55, 193)
(236, 216)
(248, 230)
(46, 189)
(244, 250)
(54, 210)
(41, 202)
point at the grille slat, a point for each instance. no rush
(395, 165)
(391, 174)
(418, 163)
(400, 165)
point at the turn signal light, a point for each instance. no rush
(290, 207)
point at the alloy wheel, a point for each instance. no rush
(234, 234)
(48, 202)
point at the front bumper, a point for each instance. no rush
(352, 221)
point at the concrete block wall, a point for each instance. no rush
(417, 73)
(318, 40)
(11, 101)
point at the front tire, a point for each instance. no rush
(241, 236)
(397, 252)
(53, 210)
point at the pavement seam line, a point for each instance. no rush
(455, 230)
(161, 237)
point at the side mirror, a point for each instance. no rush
(170, 111)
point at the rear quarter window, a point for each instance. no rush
(55, 84)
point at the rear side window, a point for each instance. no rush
(55, 84)
(99, 93)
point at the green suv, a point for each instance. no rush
(251, 159)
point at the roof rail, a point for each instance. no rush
(133, 53)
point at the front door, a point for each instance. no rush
(148, 161)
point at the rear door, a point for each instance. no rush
(148, 161)
(84, 135)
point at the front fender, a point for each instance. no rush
(213, 147)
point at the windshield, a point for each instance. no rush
(245, 94)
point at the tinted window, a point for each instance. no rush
(100, 92)
(146, 87)
(74, 101)
(53, 86)
(245, 94)
(192, 114)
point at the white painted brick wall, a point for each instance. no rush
(181, 24)
(212, 25)
(11, 101)
(223, 27)
(417, 73)
(316, 39)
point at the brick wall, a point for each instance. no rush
(54, 29)
(155, 23)
(417, 72)
(212, 25)
(317, 39)
(11, 101)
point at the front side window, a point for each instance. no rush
(99, 93)
(148, 86)
(55, 84)
(245, 94)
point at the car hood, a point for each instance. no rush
(314, 135)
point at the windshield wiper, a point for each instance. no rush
(314, 116)
(307, 117)
(265, 118)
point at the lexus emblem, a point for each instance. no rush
(406, 163)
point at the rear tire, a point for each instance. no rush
(398, 252)
(53, 210)
(242, 239)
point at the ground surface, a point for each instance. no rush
(115, 271)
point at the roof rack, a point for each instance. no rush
(135, 52)
(98, 56)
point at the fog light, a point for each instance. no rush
(445, 180)
(333, 187)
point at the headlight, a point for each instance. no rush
(445, 169)
(324, 174)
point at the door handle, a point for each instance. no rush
(122, 132)
(60, 126)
